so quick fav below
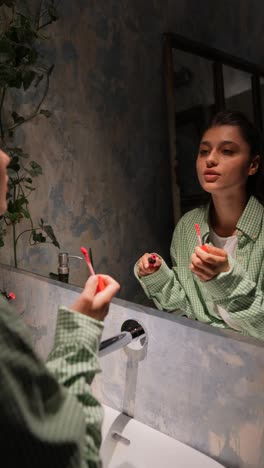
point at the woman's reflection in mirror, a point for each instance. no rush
(223, 284)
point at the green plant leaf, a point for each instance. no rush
(14, 164)
(45, 112)
(37, 236)
(53, 13)
(50, 233)
(17, 205)
(13, 217)
(25, 213)
(16, 151)
(7, 55)
(35, 166)
(17, 118)
(14, 160)
(21, 201)
(21, 67)
(15, 167)
(35, 170)
(27, 78)
(11, 172)
(10, 77)
(2, 234)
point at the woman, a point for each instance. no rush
(221, 284)
(48, 415)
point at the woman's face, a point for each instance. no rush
(224, 162)
(4, 161)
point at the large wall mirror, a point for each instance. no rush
(199, 82)
(105, 153)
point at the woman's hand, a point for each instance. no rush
(145, 266)
(206, 264)
(96, 304)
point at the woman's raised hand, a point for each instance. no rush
(96, 304)
(147, 264)
(206, 264)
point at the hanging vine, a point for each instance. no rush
(23, 72)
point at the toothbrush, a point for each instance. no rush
(198, 232)
(101, 284)
(88, 261)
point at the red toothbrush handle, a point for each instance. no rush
(101, 284)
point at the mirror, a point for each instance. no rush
(105, 154)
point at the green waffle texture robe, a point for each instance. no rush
(49, 417)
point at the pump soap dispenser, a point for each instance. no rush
(63, 268)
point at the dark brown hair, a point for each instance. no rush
(252, 136)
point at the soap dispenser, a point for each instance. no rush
(63, 268)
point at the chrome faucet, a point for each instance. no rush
(130, 330)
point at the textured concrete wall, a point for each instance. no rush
(196, 383)
(104, 151)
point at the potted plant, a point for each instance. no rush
(21, 70)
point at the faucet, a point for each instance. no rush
(130, 330)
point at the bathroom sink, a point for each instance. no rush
(128, 443)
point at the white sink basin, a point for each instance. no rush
(128, 443)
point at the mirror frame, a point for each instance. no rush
(219, 59)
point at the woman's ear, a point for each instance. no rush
(254, 165)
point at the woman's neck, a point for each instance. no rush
(226, 212)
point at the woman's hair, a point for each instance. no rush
(252, 136)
